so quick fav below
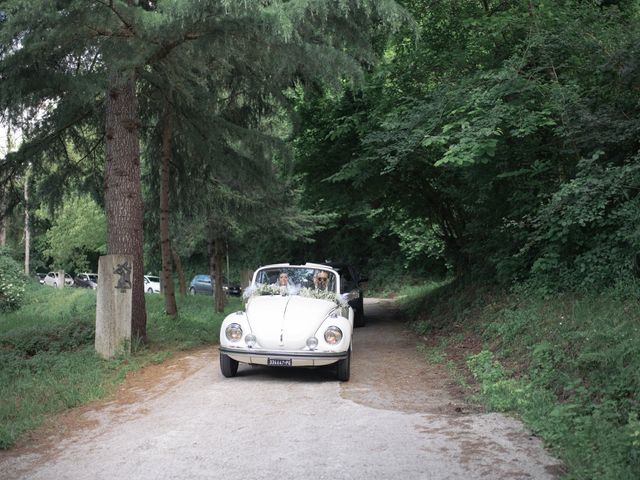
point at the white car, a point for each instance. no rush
(52, 279)
(305, 322)
(151, 284)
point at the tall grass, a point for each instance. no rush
(569, 365)
(47, 359)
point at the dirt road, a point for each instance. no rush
(398, 417)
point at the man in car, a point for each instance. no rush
(321, 280)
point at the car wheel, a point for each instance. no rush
(192, 291)
(228, 366)
(150, 290)
(344, 368)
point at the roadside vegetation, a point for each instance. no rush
(567, 364)
(47, 357)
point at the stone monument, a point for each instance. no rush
(113, 307)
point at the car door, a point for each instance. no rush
(204, 285)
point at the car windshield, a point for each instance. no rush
(153, 279)
(296, 278)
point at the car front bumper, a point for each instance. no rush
(284, 358)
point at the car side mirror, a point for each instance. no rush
(352, 295)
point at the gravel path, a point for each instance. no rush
(398, 417)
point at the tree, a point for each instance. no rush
(106, 52)
(77, 235)
(508, 127)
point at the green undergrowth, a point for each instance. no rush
(47, 359)
(567, 364)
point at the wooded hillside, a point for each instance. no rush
(488, 136)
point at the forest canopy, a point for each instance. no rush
(413, 138)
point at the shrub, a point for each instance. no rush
(12, 283)
(72, 335)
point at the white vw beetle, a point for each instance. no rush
(294, 317)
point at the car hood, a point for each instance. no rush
(285, 322)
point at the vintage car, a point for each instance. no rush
(294, 316)
(351, 282)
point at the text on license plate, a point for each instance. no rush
(279, 362)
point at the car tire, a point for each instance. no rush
(192, 291)
(344, 368)
(150, 290)
(228, 366)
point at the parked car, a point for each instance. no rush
(52, 279)
(151, 284)
(86, 280)
(351, 282)
(295, 325)
(201, 284)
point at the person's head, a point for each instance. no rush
(283, 279)
(322, 279)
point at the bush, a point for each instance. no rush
(12, 283)
(67, 337)
(579, 388)
(566, 363)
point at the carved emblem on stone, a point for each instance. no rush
(124, 270)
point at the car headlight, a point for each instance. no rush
(333, 335)
(312, 343)
(250, 340)
(233, 332)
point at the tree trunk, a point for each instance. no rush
(178, 264)
(212, 267)
(27, 226)
(123, 196)
(3, 220)
(165, 247)
(218, 258)
(215, 271)
(3, 198)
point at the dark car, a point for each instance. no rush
(201, 284)
(351, 280)
(86, 280)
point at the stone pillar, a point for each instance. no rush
(114, 305)
(61, 279)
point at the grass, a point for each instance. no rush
(47, 359)
(568, 365)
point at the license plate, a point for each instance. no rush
(279, 362)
